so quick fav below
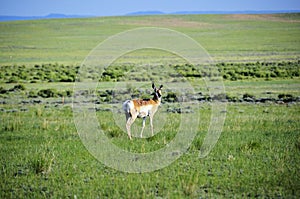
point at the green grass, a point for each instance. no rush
(257, 155)
(233, 89)
(159, 67)
(242, 38)
(263, 88)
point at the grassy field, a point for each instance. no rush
(226, 37)
(256, 156)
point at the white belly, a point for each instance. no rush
(144, 111)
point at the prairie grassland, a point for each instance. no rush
(42, 155)
(257, 155)
(227, 38)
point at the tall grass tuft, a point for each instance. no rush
(42, 161)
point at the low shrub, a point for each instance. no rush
(3, 90)
(247, 95)
(18, 87)
(171, 97)
(46, 93)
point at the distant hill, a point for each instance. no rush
(62, 16)
(146, 13)
(239, 12)
(50, 16)
(214, 12)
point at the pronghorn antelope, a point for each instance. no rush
(142, 108)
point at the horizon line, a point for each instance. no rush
(145, 13)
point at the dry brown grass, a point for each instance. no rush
(262, 17)
(168, 22)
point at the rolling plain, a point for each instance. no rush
(257, 59)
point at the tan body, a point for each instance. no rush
(141, 108)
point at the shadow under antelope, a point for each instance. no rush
(141, 108)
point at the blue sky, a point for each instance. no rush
(121, 7)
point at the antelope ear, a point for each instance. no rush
(153, 86)
(160, 86)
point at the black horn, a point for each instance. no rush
(153, 86)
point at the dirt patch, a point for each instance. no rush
(261, 17)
